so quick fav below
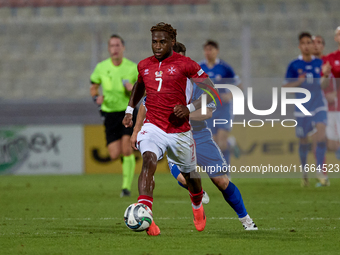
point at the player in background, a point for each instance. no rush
(221, 72)
(319, 46)
(305, 72)
(332, 93)
(208, 153)
(163, 77)
(116, 76)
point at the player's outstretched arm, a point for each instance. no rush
(136, 95)
(138, 126)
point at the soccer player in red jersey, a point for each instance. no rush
(207, 152)
(332, 94)
(166, 127)
(333, 59)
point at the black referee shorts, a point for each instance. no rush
(114, 129)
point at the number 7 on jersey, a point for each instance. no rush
(160, 83)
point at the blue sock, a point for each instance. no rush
(233, 197)
(175, 172)
(320, 154)
(303, 152)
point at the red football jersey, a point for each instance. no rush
(334, 60)
(166, 86)
(335, 106)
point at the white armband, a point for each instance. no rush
(129, 109)
(191, 107)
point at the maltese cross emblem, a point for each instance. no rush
(172, 70)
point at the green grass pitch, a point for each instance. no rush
(84, 215)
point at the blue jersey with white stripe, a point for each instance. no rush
(196, 93)
(312, 70)
(221, 73)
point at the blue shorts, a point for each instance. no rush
(209, 155)
(307, 124)
(224, 113)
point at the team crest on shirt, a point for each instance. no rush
(158, 73)
(172, 70)
(336, 62)
(146, 71)
(317, 69)
(300, 71)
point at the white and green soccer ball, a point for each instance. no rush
(138, 217)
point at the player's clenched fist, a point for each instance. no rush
(326, 68)
(133, 140)
(181, 111)
(127, 121)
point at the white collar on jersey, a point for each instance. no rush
(300, 57)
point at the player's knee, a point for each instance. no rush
(114, 155)
(332, 145)
(322, 137)
(126, 152)
(221, 182)
(149, 159)
(186, 176)
(126, 146)
(304, 140)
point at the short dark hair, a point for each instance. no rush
(179, 47)
(211, 43)
(166, 28)
(322, 39)
(119, 37)
(305, 34)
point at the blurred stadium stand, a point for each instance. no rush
(49, 48)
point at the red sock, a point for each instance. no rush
(196, 199)
(146, 200)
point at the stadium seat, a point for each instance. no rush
(61, 39)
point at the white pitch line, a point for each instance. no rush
(158, 218)
(265, 202)
(296, 202)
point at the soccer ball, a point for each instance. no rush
(138, 217)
